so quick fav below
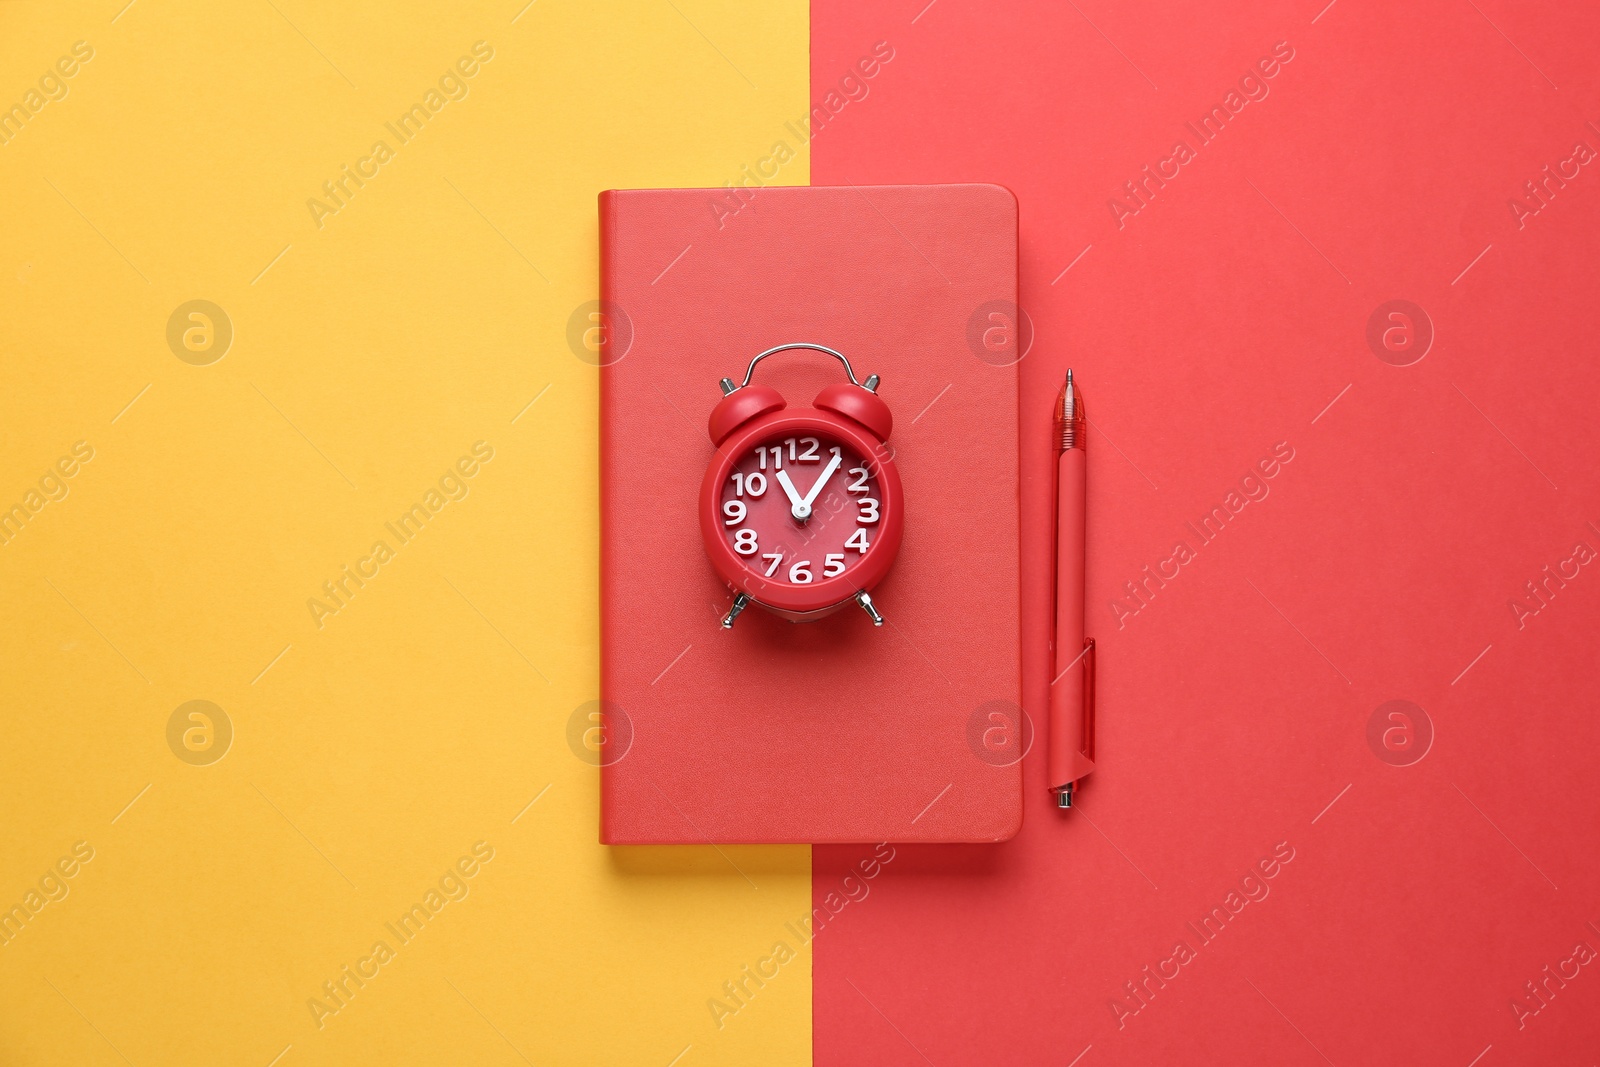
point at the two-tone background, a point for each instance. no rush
(298, 534)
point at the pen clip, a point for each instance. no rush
(1088, 699)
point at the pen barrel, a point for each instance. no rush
(1068, 742)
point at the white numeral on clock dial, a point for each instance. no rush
(869, 511)
(857, 541)
(735, 510)
(744, 542)
(800, 573)
(776, 558)
(833, 564)
(860, 484)
(752, 484)
(777, 456)
(811, 444)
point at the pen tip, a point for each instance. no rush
(1069, 375)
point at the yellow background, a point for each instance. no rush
(368, 355)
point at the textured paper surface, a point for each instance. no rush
(369, 354)
(1219, 323)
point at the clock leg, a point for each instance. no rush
(866, 605)
(739, 603)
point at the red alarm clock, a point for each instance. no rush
(800, 509)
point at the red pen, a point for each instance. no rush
(1071, 744)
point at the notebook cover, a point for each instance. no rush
(1419, 546)
(829, 731)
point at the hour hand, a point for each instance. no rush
(799, 507)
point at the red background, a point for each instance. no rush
(1223, 318)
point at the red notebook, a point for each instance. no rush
(833, 730)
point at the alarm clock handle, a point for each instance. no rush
(872, 381)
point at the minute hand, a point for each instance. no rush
(822, 479)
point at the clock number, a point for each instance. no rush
(744, 542)
(800, 573)
(752, 484)
(811, 445)
(834, 450)
(777, 456)
(860, 484)
(857, 541)
(776, 558)
(735, 510)
(833, 564)
(869, 511)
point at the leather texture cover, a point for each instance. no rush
(829, 731)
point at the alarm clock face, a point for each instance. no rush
(800, 507)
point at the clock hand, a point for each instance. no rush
(799, 508)
(827, 472)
